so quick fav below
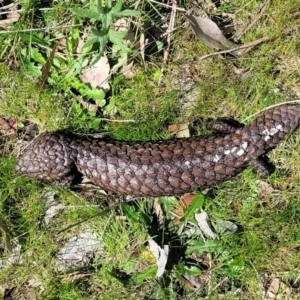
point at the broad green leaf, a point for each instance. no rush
(193, 208)
(157, 75)
(117, 37)
(32, 69)
(138, 278)
(180, 268)
(34, 37)
(69, 44)
(106, 20)
(118, 6)
(192, 270)
(110, 106)
(296, 236)
(199, 247)
(99, 7)
(37, 56)
(233, 267)
(165, 293)
(102, 32)
(108, 3)
(130, 212)
(128, 266)
(86, 13)
(101, 103)
(75, 33)
(95, 94)
(76, 69)
(126, 13)
(103, 41)
(159, 45)
(122, 58)
(222, 226)
(91, 41)
(56, 62)
(168, 204)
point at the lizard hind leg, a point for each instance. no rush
(218, 126)
(262, 166)
(225, 125)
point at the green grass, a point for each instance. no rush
(231, 267)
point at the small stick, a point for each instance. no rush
(272, 106)
(95, 215)
(168, 6)
(170, 29)
(88, 106)
(7, 6)
(261, 13)
(117, 121)
(248, 45)
(22, 10)
(221, 282)
(39, 29)
(142, 47)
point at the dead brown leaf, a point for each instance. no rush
(272, 289)
(204, 224)
(97, 75)
(187, 199)
(8, 126)
(4, 231)
(46, 68)
(128, 71)
(210, 34)
(244, 48)
(192, 282)
(182, 130)
(160, 254)
(11, 17)
(265, 188)
(158, 210)
(238, 71)
(184, 202)
(121, 25)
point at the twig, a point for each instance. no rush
(7, 6)
(272, 106)
(142, 47)
(209, 276)
(261, 13)
(168, 6)
(22, 10)
(297, 279)
(46, 68)
(170, 29)
(95, 215)
(258, 279)
(80, 206)
(248, 45)
(88, 106)
(221, 282)
(136, 4)
(117, 121)
(39, 29)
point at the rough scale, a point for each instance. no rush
(164, 168)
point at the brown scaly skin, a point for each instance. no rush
(165, 168)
